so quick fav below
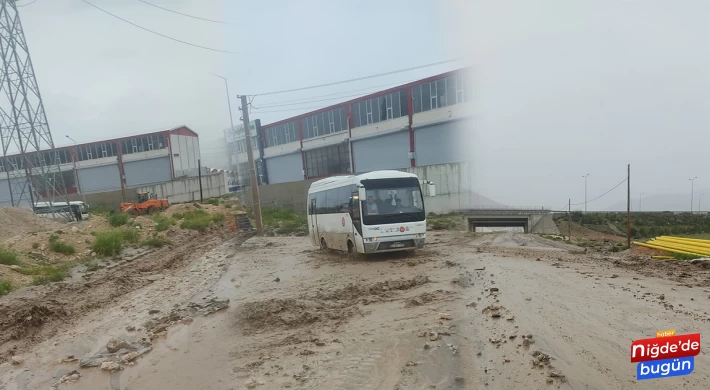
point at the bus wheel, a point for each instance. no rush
(350, 247)
(323, 245)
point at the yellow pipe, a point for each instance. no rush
(694, 240)
(680, 245)
(692, 250)
(665, 249)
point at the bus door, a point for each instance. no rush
(313, 219)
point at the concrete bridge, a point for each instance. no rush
(530, 219)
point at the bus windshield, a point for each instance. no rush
(392, 201)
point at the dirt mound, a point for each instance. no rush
(16, 221)
(325, 306)
(427, 297)
(185, 207)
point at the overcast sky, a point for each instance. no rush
(563, 88)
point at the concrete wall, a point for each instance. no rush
(186, 152)
(188, 189)
(110, 199)
(290, 196)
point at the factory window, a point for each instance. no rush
(150, 143)
(88, 152)
(441, 93)
(381, 108)
(324, 123)
(134, 145)
(330, 160)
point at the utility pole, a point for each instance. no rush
(585, 192)
(628, 205)
(692, 182)
(76, 172)
(252, 168)
(199, 176)
(569, 219)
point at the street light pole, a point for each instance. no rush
(692, 183)
(640, 195)
(700, 196)
(585, 192)
(76, 173)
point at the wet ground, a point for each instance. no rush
(470, 311)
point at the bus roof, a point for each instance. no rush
(336, 181)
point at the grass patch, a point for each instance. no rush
(162, 223)
(283, 221)
(108, 243)
(156, 242)
(60, 247)
(213, 201)
(5, 287)
(45, 275)
(8, 257)
(440, 223)
(178, 215)
(35, 245)
(218, 217)
(118, 219)
(129, 235)
(199, 224)
(684, 256)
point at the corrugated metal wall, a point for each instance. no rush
(286, 168)
(100, 179)
(156, 170)
(444, 143)
(386, 152)
(5, 191)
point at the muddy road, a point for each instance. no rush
(471, 311)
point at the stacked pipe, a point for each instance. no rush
(689, 246)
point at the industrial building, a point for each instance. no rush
(116, 164)
(422, 123)
(237, 152)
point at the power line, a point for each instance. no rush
(157, 33)
(25, 5)
(180, 13)
(307, 100)
(292, 109)
(622, 182)
(355, 79)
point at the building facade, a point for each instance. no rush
(116, 164)
(426, 122)
(235, 139)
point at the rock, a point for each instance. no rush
(110, 366)
(530, 336)
(510, 318)
(132, 355)
(549, 381)
(422, 334)
(433, 336)
(17, 360)
(153, 311)
(36, 255)
(251, 383)
(411, 364)
(444, 316)
(93, 254)
(555, 374)
(427, 346)
(662, 297)
(528, 299)
(506, 360)
(130, 328)
(472, 304)
(155, 278)
(459, 379)
(277, 279)
(74, 229)
(15, 268)
(116, 344)
(495, 314)
(493, 289)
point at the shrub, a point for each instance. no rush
(162, 222)
(100, 210)
(218, 217)
(283, 221)
(156, 242)
(108, 243)
(5, 287)
(118, 219)
(199, 224)
(35, 245)
(178, 215)
(213, 201)
(8, 257)
(129, 235)
(684, 256)
(60, 247)
(47, 274)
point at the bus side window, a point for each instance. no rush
(355, 211)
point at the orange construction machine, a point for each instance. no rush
(146, 203)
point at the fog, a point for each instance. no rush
(563, 89)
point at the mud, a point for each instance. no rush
(473, 311)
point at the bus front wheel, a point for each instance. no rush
(323, 245)
(350, 247)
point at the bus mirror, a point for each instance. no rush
(361, 193)
(431, 188)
